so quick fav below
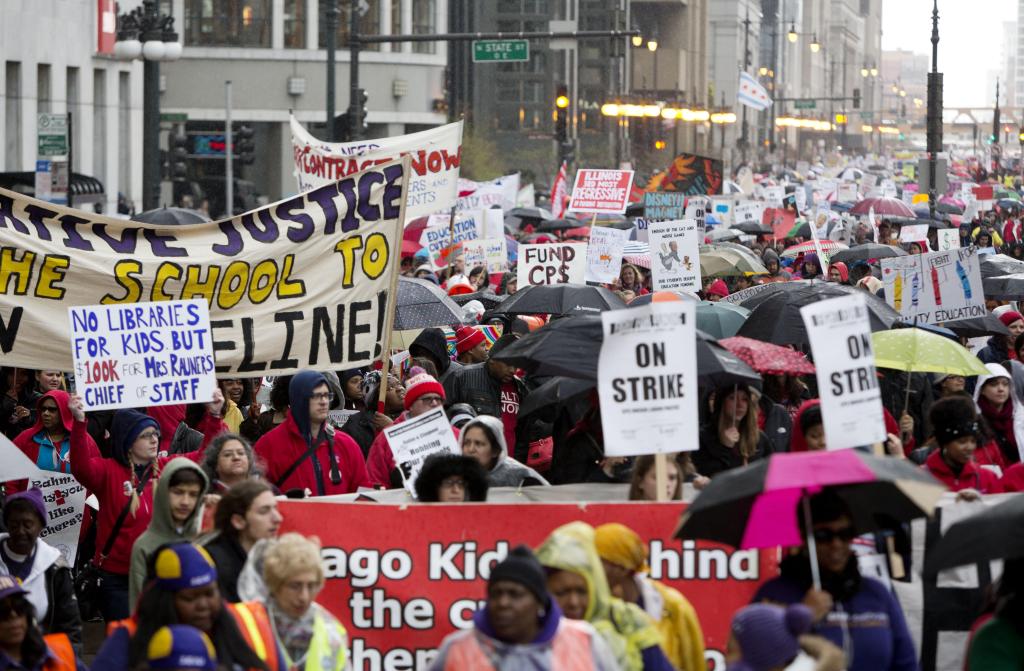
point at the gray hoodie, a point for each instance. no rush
(507, 472)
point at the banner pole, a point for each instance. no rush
(392, 308)
(451, 242)
(661, 476)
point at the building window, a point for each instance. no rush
(12, 114)
(295, 24)
(424, 13)
(43, 94)
(369, 23)
(227, 23)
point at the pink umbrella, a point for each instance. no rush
(884, 207)
(950, 200)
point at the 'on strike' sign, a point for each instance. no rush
(597, 191)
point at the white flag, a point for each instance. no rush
(752, 94)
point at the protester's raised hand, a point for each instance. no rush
(77, 408)
(381, 421)
(215, 406)
(894, 446)
(731, 436)
(701, 481)
(819, 601)
(906, 424)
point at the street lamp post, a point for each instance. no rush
(147, 34)
(934, 110)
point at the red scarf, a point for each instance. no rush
(509, 412)
(1001, 422)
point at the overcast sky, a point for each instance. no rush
(970, 41)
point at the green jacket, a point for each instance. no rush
(162, 529)
(997, 646)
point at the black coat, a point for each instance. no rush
(778, 425)
(229, 556)
(360, 427)
(713, 457)
(995, 351)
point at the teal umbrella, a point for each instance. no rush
(720, 320)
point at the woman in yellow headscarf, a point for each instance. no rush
(624, 556)
(577, 581)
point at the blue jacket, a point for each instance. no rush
(871, 620)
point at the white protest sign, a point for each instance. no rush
(493, 223)
(800, 199)
(675, 256)
(642, 226)
(847, 192)
(647, 379)
(948, 239)
(597, 191)
(65, 508)
(839, 332)
(604, 254)
(483, 198)
(914, 233)
(773, 195)
(435, 153)
(526, 196)
(143, 354)
(415, 439)
(14, 465)
(822, 216)
(438, 239)
(473, 251)
(496, 255)
(561, 263)
(748, 212)
(722, 211)
(935, 287)
(696, 209)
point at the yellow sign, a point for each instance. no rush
(919, 198)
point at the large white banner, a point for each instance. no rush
(435, 155)
(302, 283)
(647, 379)
(675, 255)
(415, 439)
(935, 287)
(851, 402)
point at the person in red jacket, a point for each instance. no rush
(304, 452)
(956, 433)
(423, 393)
(124, 484)
(48, 442)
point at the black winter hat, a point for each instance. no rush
(440, 466)
(522, 567)
(953, 418)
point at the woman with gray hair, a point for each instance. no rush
(227, 461)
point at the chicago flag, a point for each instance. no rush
(752, 94)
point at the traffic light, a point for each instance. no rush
(357, 114)
(561, 114)
(178, 157)
(1020, 135)
(991, 138)
(244, 146)
(856, 99)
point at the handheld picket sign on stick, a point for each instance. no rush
(661, 475)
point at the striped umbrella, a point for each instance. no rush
(828, 246)
(637, 253)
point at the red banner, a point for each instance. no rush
(781, 221)
(402, 577)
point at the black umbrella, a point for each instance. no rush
(753, 227)
(171, 216)
(777, 318)
(822, 289)
(994, 533)
(800, 231)
(1004, 287)
(865, 251)
(977, 327)
(571, 347)
(488, 298)
(995, 265)
(422, 304)
(530, 214)
(560, 299)
(555, 391)
(552, 225)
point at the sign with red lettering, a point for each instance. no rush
(561, 263)
(142, 354)
(597, 191)
(400, 598)
(435, 153)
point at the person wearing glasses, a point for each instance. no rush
(124, 485)
(423, 393)
(305, 454)
(856, 613)
(48, 442)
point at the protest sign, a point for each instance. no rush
(948, 239)
(311, 275)
(781, 221)
(773, 195)
(697, 209)
(675, 256)
(604, 254)
(935, 287)
(65, 507)
(647, 379)
(487, 252)
(14, 465)
(985, 192)
(399, 600)
(558, 263)
(416, 438)
(597, 191)
(748, 212)
(664, 205)
(502, 192)
(822, 216)
(439, 241)
(143, 354)
(473, 252)
(492, 223)
(847, 192)
(914, 233)
(839, 332)
(434, 160)
(641, 226)
(722, 211)
(800, 200)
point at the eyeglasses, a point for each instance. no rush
(149, 435)
(825, 535)
(48, 408)
(430, 400)
(323, 396)
(453, 482)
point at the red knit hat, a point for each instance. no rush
(419, 384)
(459, 288)
(466, 338)
(718, 288)
(1009, 317)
